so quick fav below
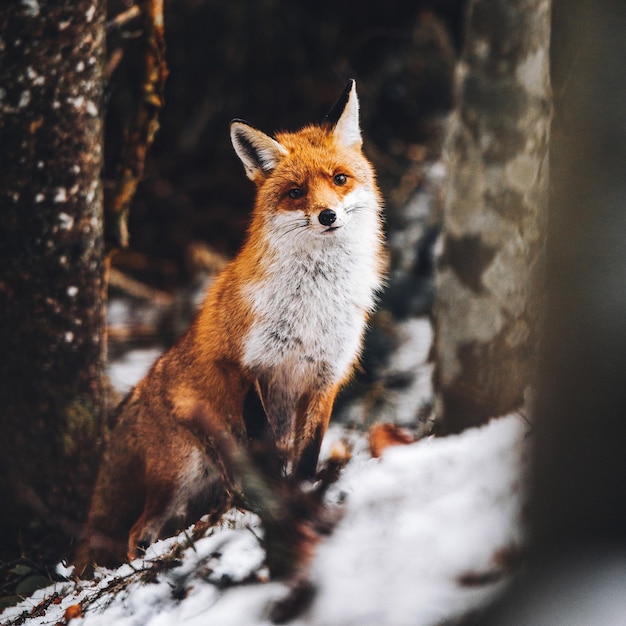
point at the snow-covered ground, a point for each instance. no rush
(424, 538)
(427, 533)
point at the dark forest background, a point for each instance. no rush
(279, 65)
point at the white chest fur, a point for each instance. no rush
(310, 308)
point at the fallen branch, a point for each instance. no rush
(137, 289)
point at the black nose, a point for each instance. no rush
(327, 217)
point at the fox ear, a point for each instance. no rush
(258, 152)
(344, 118)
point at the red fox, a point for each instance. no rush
(281, 326)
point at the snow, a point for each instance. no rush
(415, 522)
(132, 367)
(32, 7)
(409, 361)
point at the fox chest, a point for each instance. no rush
(309, 316)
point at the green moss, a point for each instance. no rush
(81, 420)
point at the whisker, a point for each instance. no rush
(359, 208)
(297, 226)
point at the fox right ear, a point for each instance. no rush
(258, 152)
(344, 117)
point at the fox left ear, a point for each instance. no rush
(344, 118)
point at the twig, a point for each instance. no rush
(115, 58)
(137, 289)
(123, 18)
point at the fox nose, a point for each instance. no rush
(327, 217)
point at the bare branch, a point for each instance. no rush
(144, 126)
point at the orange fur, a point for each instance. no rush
(283, 324)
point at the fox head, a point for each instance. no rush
(316, 180)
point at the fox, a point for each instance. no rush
(279, 333)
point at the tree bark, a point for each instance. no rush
(494, 214)
(51, 274)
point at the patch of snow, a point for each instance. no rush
(77, 102)
(411, 359)
(127, 371)
(31, 6)
(66, 222)
(91, 194)
(65, 570)
(410, 362)
(24, 100)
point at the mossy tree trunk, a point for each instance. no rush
(494, 214)
(51, 270)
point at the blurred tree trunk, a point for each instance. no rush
(578, 496)
(581, 422)
(51, 272)
(494, 214)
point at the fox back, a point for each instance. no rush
(277, 336)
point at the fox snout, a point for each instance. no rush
(329, 220)
(327, 217)
(325, 220)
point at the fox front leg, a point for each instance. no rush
(312, 421)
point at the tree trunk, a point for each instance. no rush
(580, 462)
(51, 274)
(578, 513)
(494, 214)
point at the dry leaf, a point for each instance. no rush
(71, 612)
(381, 436)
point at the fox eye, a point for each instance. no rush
(340, 179)
(295, 193)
